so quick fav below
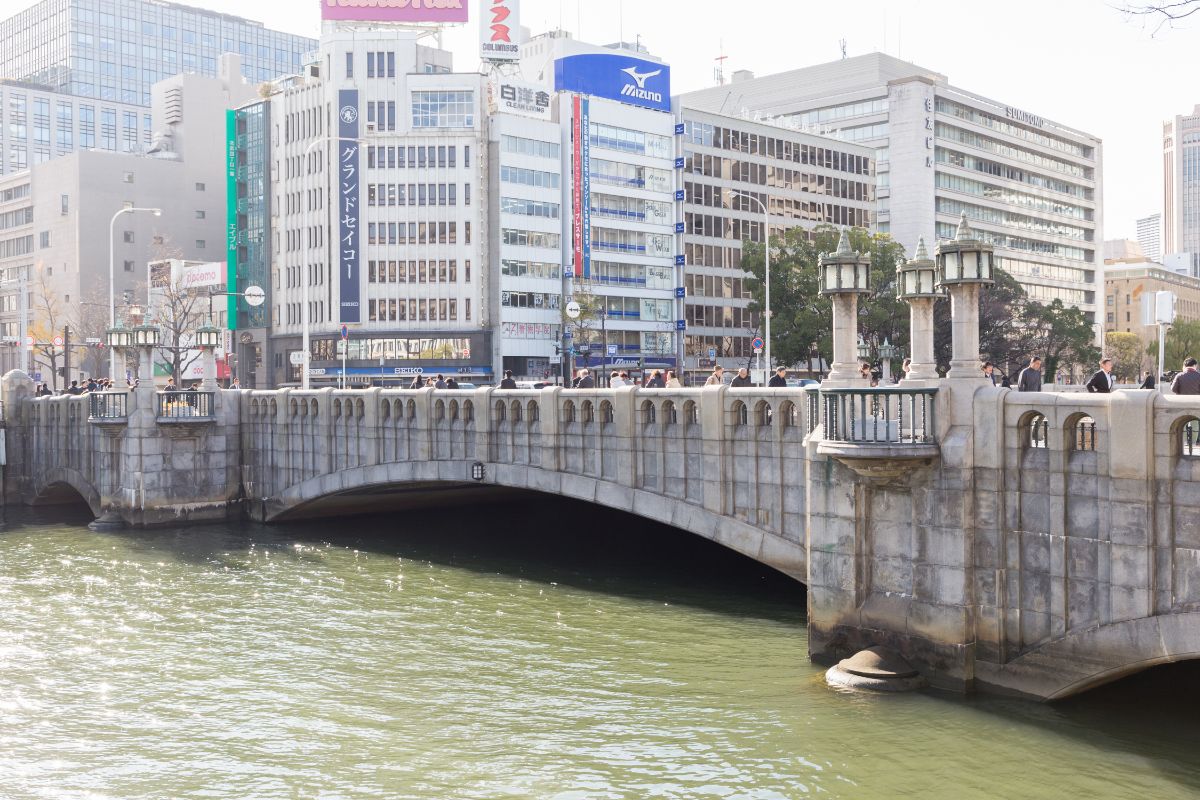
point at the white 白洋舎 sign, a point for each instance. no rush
(510, 96)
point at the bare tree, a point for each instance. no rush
(179, 311)
(90, 321)
(48, 319)
(1160, 14)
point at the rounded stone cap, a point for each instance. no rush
(878, 662)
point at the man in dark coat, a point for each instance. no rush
(1188, 381)
(779, 379)
(508, 382)
(1030, 379)
(1102, 381)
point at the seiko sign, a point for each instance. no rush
(616, 77)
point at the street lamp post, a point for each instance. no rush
(304, 278)
(766, 271)
(964, 267)
(112, 285)
(844, 275)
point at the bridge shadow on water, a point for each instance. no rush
(535, 537)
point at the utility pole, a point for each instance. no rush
(66, 356)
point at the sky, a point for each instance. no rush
(1082, 63)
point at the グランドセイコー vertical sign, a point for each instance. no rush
(347, 206)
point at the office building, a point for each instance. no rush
(525, 228)
(1123, 251)
(1149, 236)
(116, 50)
(1124, 286)
(1181, 187)
(376, 218)
(42, 124)
(56, 217)
(732, 165)
(1029, 185)
(618, 228)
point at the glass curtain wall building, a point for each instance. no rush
(1029, 185)
(115, 50)
(1181, 188)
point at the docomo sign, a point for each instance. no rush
(395, 10)
(211, 274)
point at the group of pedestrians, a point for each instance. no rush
(1103, 381)
(75, 388)
(424, 382)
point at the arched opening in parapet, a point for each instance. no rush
(553, 539)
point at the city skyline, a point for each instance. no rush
(936, 35)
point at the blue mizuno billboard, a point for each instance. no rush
(616, 77)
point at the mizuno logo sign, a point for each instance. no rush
(640, 91)
(641, 77)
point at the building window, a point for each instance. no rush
(44, 239)
(349, 65)
(127, 237)
(66, 204)
(199, 187)
(129, 266)
(199, 244)
(443, 109)
(199, 214)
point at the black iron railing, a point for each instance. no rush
(879, 416)
(1189, 445)
(814, 408)
(108, 405)
(184, 405)
(1085, 434)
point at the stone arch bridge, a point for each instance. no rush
(1033, 543)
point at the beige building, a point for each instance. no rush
(1124, 286)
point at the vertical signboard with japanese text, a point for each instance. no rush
(231, 216)
(581, 180)
(347, 206)
(500, 30)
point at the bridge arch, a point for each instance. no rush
(1091, 658)
(784, 555)
(60, 485)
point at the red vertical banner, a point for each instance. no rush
(577, 184)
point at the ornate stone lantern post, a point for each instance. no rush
(964, 265)
(917, 284)
(208, 338)
(844, 275)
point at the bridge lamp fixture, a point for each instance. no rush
(918, 277)
(845, 271)
(147, 336)
(119, 337)
(477, 471)
(964, 259)
(209, 337)
(864, 350)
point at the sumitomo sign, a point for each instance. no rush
(616, 77)
(1023, 116)
(500, 30)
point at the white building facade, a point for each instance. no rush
(526, 237)
(1030, 186)
(1149, 236)
(377, 214)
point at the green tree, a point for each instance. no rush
(1183, 341)
(1062, 335)
(1003, 340)
(801, 316)
(1125, 349)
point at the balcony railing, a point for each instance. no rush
(185, 405)
(108, 406)
(884, 416)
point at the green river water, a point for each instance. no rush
(504, 652)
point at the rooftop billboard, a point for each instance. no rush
(395, 10)
(617, 77)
